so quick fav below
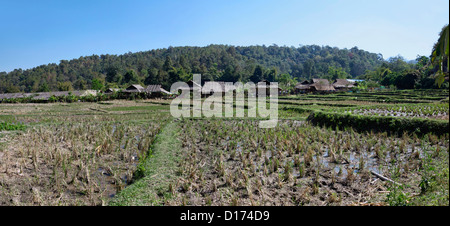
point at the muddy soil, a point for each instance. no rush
(239, 168)
(76, 165)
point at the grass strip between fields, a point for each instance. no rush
(158, 169)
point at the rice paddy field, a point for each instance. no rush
(376, 148)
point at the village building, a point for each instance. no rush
(302, 87)
(45, 96)
(111, 90)
(156, 91)
(343, 85)
(314, 85)
(135, 88)
(211, 87)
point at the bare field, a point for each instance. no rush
(73, 155)
(134, 153)
(236, 163)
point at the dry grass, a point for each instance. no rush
(73, 156)
(293, 164)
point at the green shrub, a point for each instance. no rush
(393, 125)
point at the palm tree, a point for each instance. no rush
(440, 56)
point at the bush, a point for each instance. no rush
(393, 125)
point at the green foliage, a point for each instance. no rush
(337, 73)
(11, 126)
(407, 80)
(65, 86)
(44, 88)
(440, 57)
(396, 196)
(131, 77)
(96, 84)
(165, 66)
(394, 125)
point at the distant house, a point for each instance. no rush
(6, 96)
(211, 87)
(135, 88)
(45, 96)
(112, 90)
(343, 84)
(322, 88)
(302, 87)
(314, 85)
(156, 91)
(89, 92)
(321, 81)
(77, 93)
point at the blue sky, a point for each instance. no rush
(33, 33)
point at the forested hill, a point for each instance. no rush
(214, 62)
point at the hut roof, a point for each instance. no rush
(89, 92)
(320, 81)
(47, 95)
(156, 89)
(111, 90)
(320, 87)
(153, 88)
(135, 88)
(11, 95)
(302, 86)
(343, 83)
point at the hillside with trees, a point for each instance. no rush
(215, 62)
(424, 73)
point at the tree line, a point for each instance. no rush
(424, 73)
(286, 65)
(215, 62)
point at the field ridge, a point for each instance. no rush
(158, 170)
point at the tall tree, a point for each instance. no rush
(439, 56)
(96, 84)
(258, 74)
(130, 77)
(65, 86)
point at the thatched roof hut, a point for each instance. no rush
(112, 90)
(320, 81)
(322, 88)
(156, 89)
(135, 88)
(47, 95)
(343, 84)
(301, 86)
(153, 89)
(322, 85)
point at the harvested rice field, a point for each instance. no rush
(361, 151)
